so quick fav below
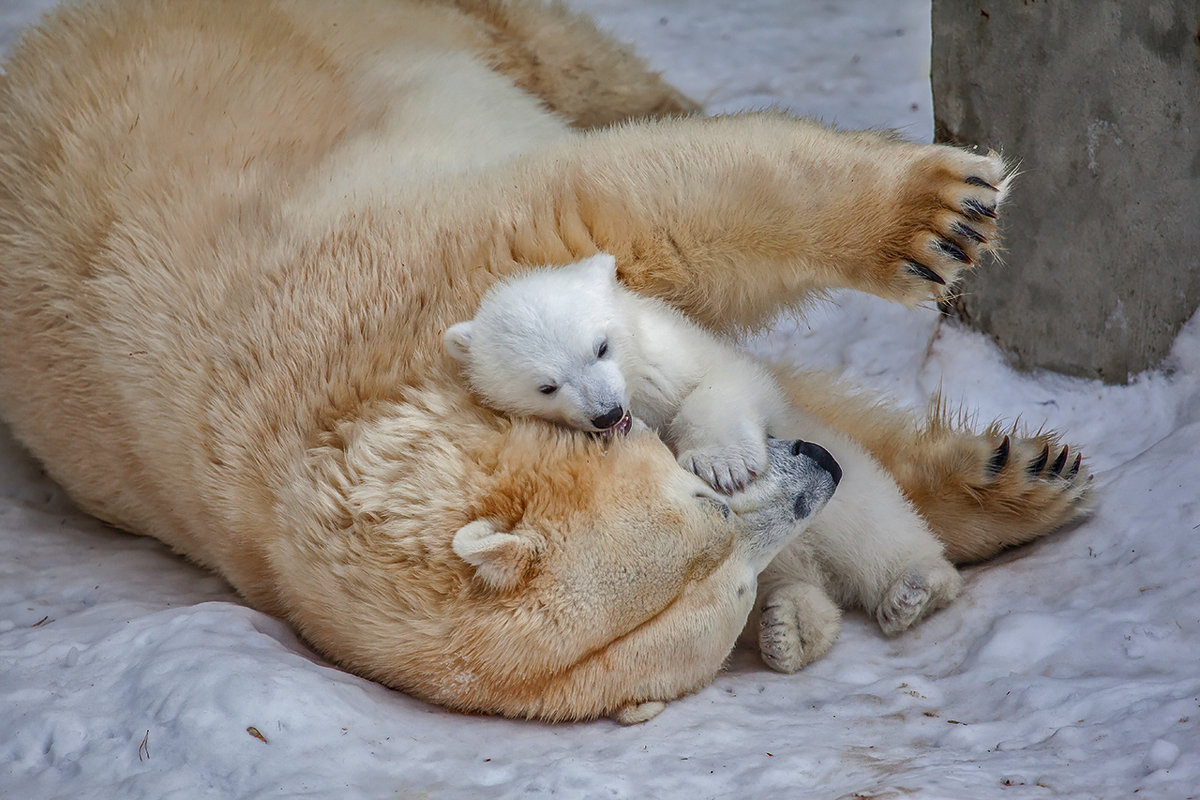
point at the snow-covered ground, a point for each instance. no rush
(1069, 668)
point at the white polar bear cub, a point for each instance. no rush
(571, 345)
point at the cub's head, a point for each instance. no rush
(547, 344)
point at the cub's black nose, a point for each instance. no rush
(608, 418)
(820, 455)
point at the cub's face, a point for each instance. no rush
(571, 374)
(549, 344)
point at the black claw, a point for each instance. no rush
(1057, 467)
(999, 458)
(925, 272)
(953, 250)
(967, 232)
(1075, 467)
(977, 210)
(975, 181)
(1038, 464)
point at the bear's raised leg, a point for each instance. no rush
(732, 219)
(979, 491)
(574, 67)
(815, 209)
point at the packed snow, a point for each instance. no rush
(1068, 668)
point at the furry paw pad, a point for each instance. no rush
(947, 218)
(727, 470)
(798, 625)
(1038, 472)
(915, 594)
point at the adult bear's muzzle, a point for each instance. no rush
(778, 505)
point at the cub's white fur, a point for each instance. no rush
(571, 345)
(714, 406)
(897, 572)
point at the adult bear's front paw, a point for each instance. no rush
(945, 219)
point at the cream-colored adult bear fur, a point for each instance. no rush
(232, 233)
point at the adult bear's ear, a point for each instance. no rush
(500, 558)
(457, 340)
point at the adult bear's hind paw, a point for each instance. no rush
(984, 492)
(1013, 461)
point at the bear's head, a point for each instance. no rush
(525, 569)
(627, 587)
(547, 343)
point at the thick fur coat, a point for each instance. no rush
(231, 235)
(571, 345)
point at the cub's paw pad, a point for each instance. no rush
(727, 470)
(920, 591)
(798, 625)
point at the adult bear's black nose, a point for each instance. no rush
(608, 418)
(820, 455)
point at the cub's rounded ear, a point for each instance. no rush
(500, 558)
(457, 340)
(602, 265)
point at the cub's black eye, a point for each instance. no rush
(602, 350)
(549, 388)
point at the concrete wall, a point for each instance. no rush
(1099, 100)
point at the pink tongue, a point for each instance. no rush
(618, 428)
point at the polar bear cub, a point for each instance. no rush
(572, 345)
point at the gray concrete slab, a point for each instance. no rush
(1099, 100)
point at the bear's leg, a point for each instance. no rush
(578, 70)
(868, 547)
(979, 491)
(732, 219)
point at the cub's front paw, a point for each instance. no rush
(727, 469)
(944, 219)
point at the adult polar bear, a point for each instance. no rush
(230, 237)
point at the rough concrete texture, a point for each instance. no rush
(1099, 100)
